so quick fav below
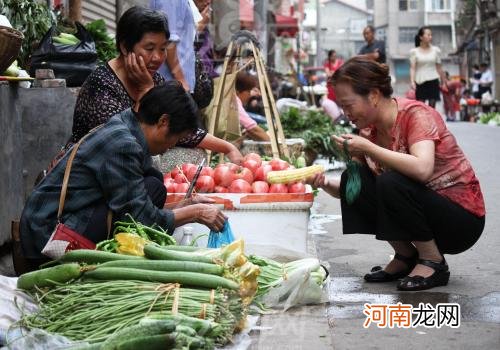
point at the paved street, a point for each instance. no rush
(475, 274)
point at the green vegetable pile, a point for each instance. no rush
(316, 128)
(32, 18)
(104, 43)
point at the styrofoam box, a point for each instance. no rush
(262, 220)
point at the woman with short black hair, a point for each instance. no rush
(141, 39)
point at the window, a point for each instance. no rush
(407, 34)
(408, 5)
(440, 5)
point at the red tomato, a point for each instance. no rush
(297, 187)
(251, 164)
(278, 164)
(278, 188)
(253, 156)
(180, 178)
(244, 174)
(223, 176)
(261, 172)
(220, 189)
(232, 166)
(167, 176)
(206, 170)
(240, 186)
(169, 185)
(187, 166)
(260, 187)
(174, 172)
(205, 184)
(181, 188)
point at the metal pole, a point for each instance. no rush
(260, 23)
(318, 34)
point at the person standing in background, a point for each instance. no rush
(180, 62)
(332, 63)
(204, 43)
(374, 49)
(425, 68)
(476, 75)
(486, 79)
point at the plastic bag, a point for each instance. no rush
(297, 288)
(224, 237)
(71, 62)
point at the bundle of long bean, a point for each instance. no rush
(93, 311)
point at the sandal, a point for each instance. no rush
(377, 274)
(440, 277)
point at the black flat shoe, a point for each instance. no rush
(377, 274)
(440, 277)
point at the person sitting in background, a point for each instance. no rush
(244, 85)
(141, 39)
(417, 190)
(110, 172)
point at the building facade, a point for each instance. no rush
(397, 22)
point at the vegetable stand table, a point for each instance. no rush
(272, 219)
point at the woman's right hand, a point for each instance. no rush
(413, 85)
(317, 180)
(138, 73)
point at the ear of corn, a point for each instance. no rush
(293, 175)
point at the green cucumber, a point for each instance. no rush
(153, 342)
(194, 279)
(142, 330)
(90, 256)
(49, 277)
(154, 252)
(167, 265)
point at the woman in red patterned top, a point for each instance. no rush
(418, 190)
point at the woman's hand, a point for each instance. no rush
(235, 155)
(330, 186)
(356, 145)
(317, 180)
(138, 74)
(413, 85)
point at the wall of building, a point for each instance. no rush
(34, 124)
(344, 26)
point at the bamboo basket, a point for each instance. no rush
(10, 45)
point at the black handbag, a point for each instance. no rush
(71, 62)
(204, 87)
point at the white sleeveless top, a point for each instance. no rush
(425, 63)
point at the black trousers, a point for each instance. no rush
(97, 229)
(394, 207)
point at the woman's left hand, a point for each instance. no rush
(235, 155)
(138, 73)
(356, 145)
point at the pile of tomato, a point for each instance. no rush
(250, 177)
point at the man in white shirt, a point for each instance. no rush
(486, 79)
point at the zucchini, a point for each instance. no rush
(90, 256)
(153, 342)
(94, 346)
(167, 265)
(183, 248)
(49, 277)
(154, 252)
(184, 278)
(141, 330)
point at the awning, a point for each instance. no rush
(286, 26)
